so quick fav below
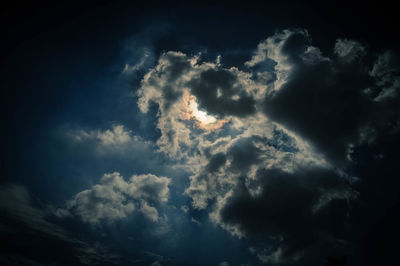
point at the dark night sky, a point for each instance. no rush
(179, 133)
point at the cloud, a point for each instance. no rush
(240, 159)
(145, 58)
(386, 71)
(219, 92)
(115, 147)
(139, 52)
(193, 97)
(276, 149)
(156, 263)
(348, 50)
(149, 211)
(18, 203)
(272, 147)
(115, 199)
(22, 216)
(287, 210)
(118, 139)
(323, 100)
(163, 84)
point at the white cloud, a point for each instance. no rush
(117, 136)
(114, 198)
(116, 139)
(149, 211)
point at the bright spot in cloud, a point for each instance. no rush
(202, 116)
(204, 120)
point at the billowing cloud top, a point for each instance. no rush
(114, 198)
(268, 143)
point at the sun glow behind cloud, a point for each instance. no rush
(190, 108)
(201, 116)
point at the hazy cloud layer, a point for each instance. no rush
(17, 203)
(22, 216)
(118, 140)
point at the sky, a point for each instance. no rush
(201, 133)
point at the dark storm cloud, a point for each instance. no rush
(294, 210)
(175, 66)
(219, 93)
(243, 154)
(377, 216)
(239, 162)
(216, 162)
(323, 100)
(331, 102)
(286, 212)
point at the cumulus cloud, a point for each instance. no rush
(114, 198)
(269, 147)
(193, 97)
(321, 99)
(220, 92)
(116, 147)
